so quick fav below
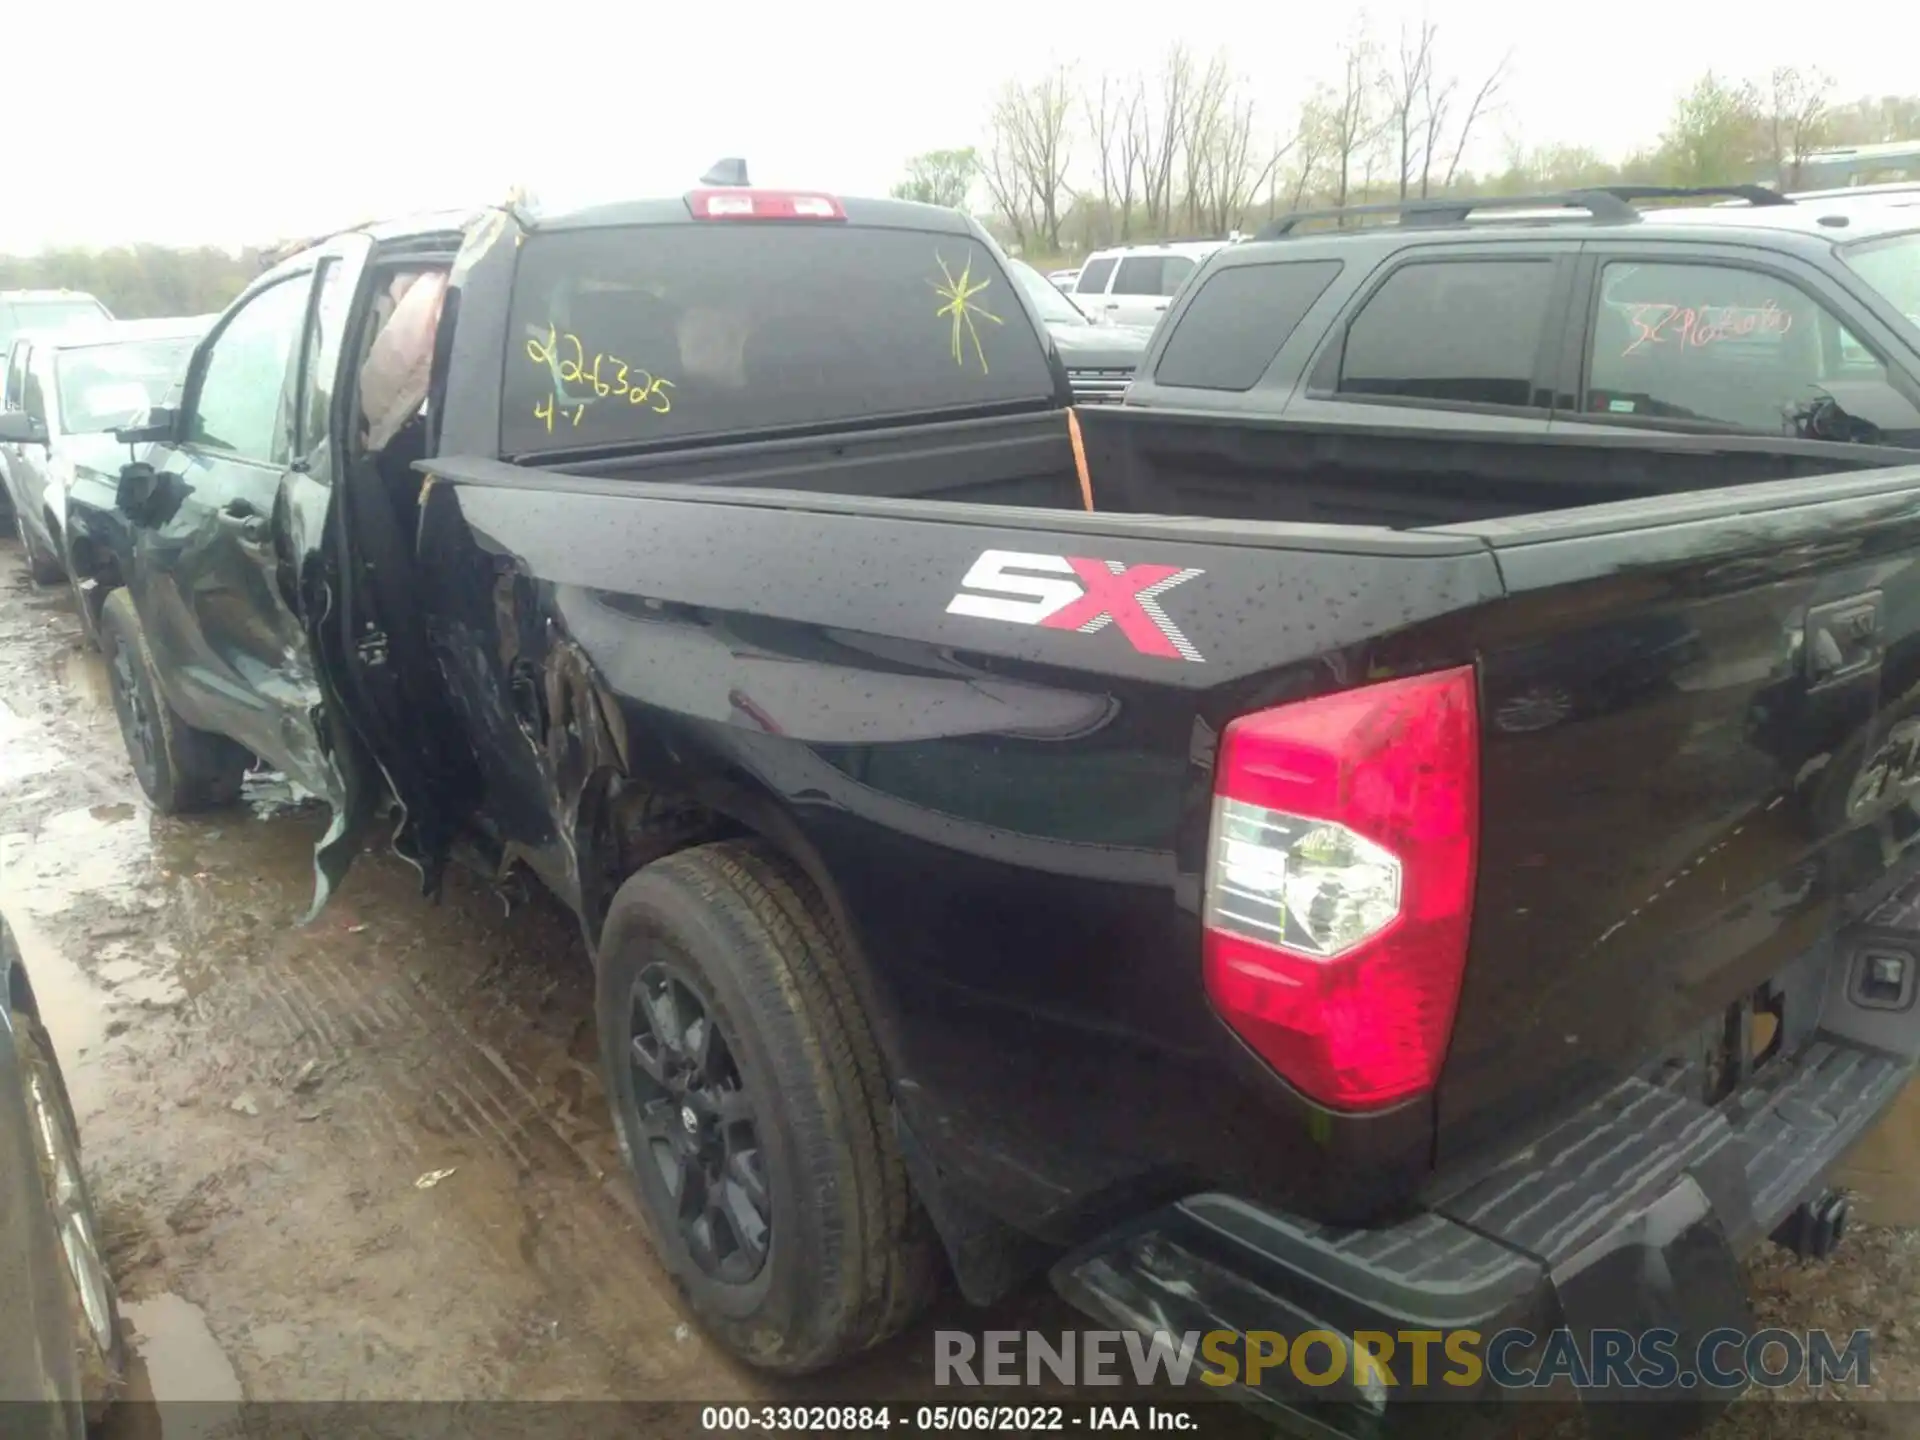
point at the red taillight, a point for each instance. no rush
(1340, 884)
(763, 205)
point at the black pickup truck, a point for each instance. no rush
(1365, 850)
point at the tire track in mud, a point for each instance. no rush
(265, 1126)
(424, 1064)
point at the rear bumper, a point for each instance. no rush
(1631, 1214)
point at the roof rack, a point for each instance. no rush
(1612, 204)
(1752, 194)
(1454, 211)
(1170, 240)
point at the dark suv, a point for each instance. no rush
(1563, 314)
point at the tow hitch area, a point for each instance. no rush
(1815, 1227)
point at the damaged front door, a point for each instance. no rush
(230, 547)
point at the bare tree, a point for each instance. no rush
(1315, 137)
(1026, 166)
(1436, 105)
(1229, 180)
(1798, 116)
(1006, 188)
(1408, 88)
(1162, 136)
(1485, 100)
(1111, 119)
(1206, 125)
(1135, 147)
(1354, 126)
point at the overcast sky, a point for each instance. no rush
(207, 121)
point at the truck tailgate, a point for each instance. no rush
(1698, 727)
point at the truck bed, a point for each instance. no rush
(1169, 462)
(1166, 463)
(1022, 459)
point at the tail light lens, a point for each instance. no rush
(1340, 884)
(763, 205)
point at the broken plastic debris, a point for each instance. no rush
(245, 1105)
(433, 1178)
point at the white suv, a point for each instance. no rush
(1134, 284)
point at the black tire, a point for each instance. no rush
(100, 1357)
(89, 627)
(849, 1256)
(181, 769)
(43, 565)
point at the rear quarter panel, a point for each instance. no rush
(1013, 816)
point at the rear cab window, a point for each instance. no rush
(1237, 321)
(643, 334)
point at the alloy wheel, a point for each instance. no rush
(77, 1240)
(136, 717)
(698, 1126)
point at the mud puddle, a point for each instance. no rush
(261, 1102)
(179, 1383)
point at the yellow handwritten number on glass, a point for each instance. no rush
(649, 390)
(653, 390)
(544, 411)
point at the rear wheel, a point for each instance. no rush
(89, 627)
(42, 563)
(751, 1104)
(181, 769)
(92, 1302)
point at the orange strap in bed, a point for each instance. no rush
(1080, 458)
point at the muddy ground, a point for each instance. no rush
(369, 1159)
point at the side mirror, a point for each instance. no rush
(19, 428)
(138, 483)
(156, 425)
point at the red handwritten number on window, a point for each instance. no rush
(1656, 323)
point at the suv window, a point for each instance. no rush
(16, 377)
(244, 404)
(33, 396)
(1465, 331)
(1729, 346)
(628, 335)
(1152, 274)
(1093, 277)
(1237, 322)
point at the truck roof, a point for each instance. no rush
(673, 210)
(667, 210)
